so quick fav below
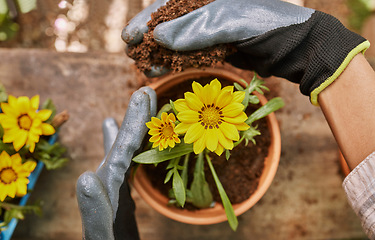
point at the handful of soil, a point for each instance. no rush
(148, 53)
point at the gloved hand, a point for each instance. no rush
(105, 203)
(272, 37)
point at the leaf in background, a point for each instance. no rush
(250, 133)
(8, 29)
(3, 11)
(50, 155)
(184, 173)
(201, 194)
(178, 188)
(26, 5)
(155, 156)
(168, 176)
(271, 106)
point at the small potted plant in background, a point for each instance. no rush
(209, 121)
(28, 136)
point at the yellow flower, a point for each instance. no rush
(23, 123)
(211, 117)
(14, 175)
(163, 131)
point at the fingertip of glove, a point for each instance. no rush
(131, 35)
(88, 185)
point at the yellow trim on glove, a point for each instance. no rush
(360, 48)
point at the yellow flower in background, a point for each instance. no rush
(163, 131)
(23, 123)
(211, 117)
(14, 175)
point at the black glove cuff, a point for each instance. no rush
(308, 53)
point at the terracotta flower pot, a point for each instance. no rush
(216, 214)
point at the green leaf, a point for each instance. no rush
(173, 108)
(271, 106)
(155, 156)
(166, 108)
(50, 154)
(227, 154)
(253, 99)
(238, 86)
(249, 134)
(178, 188)
(201, 194)
(184, 173)
(168, 176)
(232, 218)
(26, 5)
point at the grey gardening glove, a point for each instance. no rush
(272, 37)
(105, 203)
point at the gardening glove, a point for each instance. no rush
(105, 203)
(272, 37)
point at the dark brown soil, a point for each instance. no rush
(239, 175)
(148, 53)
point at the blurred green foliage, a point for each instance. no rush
(361, 10)
(9, 9)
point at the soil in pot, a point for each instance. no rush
(239, 175)
(148, 53)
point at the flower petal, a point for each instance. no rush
(189, 116)
(182, 128)
(35, 103)
(193, 101)
(224, 98)
(16, 159)
(242, 127)
(20, 140)
(44, 114)
(200, 144)
(47, 129)
(29, 166)
(236, 120)
(9, 110)
(212, 139)
(23, 104)
(229, 131)
(8, 122)
(164, 116)
(238, 96)
(181, 105)
(233, 109)
(212, 91)
(198, 90)
(194, 132)
(224, 141)
(219, 150)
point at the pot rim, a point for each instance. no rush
(216, 214)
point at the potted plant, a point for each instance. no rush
(27, 144)
(181, 148)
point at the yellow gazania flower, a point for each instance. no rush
(163, 131)
(23, 123)
(211, 117)
(14, 175)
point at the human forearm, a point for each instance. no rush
(348, 105)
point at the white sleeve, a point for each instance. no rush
(359, 186)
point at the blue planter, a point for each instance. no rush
(7, 234)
